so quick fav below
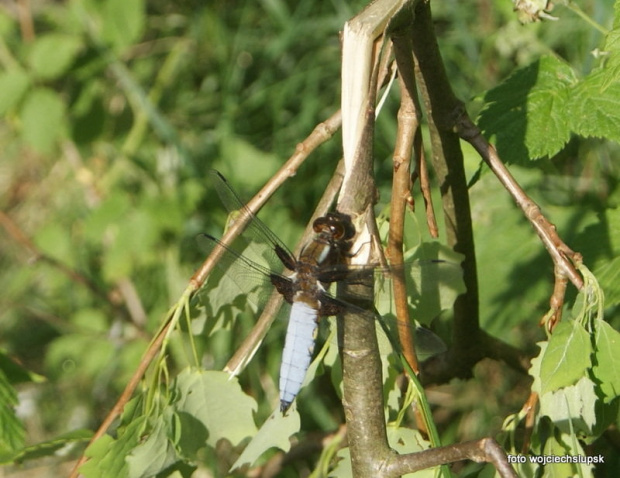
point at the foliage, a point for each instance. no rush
(113, 111)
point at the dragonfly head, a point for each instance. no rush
(336, 225)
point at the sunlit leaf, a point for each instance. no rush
(43, 119)
(276, 432)
(535, 366)
(575, 403)
(567, 357)
(122, 22)
(594, 106)
(153, 455)
(81, 355)
(406, 440)
(13, 84)
(52, 54)
(527, 112)
(434, 286)
(107, 455)
(607, 365)
(12, 432)
(55, 241)
(608, 275)
(218, 402)
(560, 446)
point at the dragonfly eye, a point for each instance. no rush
(337, 230)
(344, 226)
(338, 225)
(320, 224)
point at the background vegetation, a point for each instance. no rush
(112, 113)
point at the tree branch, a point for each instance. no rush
(441, 104)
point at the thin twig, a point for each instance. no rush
(560, 253)
(408, 125)
(26, 24)
(408, 130)
(530, 419)
(564, 259)
(556, 301)
(431, 220)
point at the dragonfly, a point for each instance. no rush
(303, 281)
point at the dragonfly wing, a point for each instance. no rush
(433, 279)
(257, 230)
(431, 286)
(238, 273)
(427, 342)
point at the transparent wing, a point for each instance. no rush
(246, 272)
(257, 231)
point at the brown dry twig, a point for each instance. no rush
(408, 128)
(564, 258)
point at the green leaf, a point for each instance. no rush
(276, 432)
(54, 240)
(133, 245)
(13, 84)
(91, 320)
(594, 106)
(560, 445)
(567, 357)
(608, 276)
(612, 40)
(12, 431)
(607, 361)
(235, 152)
(153, 455)
(188, 434)
(104, 219)
(43, 119)
(223, 287)
(606, 415)
(406, 440)
(218, 402)
(575, 404)
(107, 456)
(122, 22)
(535, 367)
(343, 464)
(48, 448)
(53, 54)
(527, 112)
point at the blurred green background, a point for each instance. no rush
(113, 111)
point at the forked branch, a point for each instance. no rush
(564, 258)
